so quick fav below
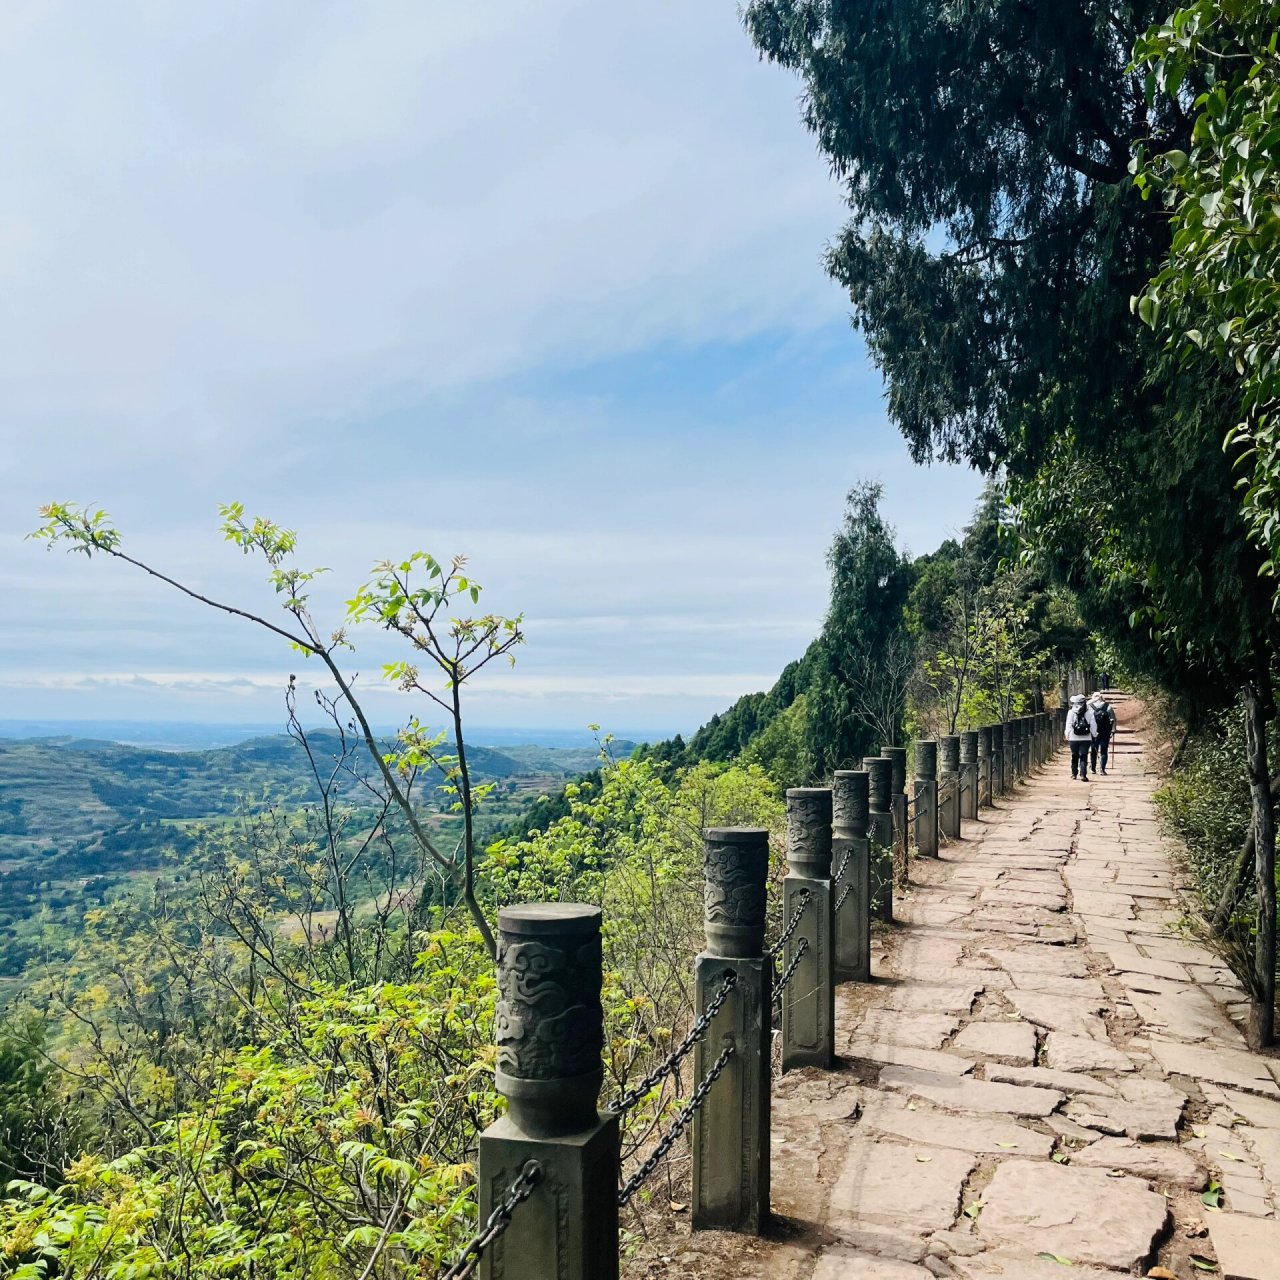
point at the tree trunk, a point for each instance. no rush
(1236, 887)
(1257, 704)
(1239, 880)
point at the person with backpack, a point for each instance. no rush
(1105, 718)
(1080, 732)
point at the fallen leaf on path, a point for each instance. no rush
(1161, 1273)
(1203, 1264)
(1060, 1260)
(1006, 1145)
(677, 1207)
(923, 1159)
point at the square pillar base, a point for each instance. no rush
(809, 1002)
(853, 918)
(731, 1150)
(568, 1227)
(926, 817)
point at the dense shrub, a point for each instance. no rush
(1206, 804)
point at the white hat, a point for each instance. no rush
(1077, 697)
(1096, 695)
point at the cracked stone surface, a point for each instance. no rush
(1013, 1042)
(1042, 1043)
(903, 1186)
(1165, 1164)
(1079, 1214)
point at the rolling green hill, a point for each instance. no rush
(80, 817)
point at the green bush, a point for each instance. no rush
(1206, 803)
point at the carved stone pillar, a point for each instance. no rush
(1010, 755)
(926, 816)
(851, 880)
(984, 766)
(969, 775)
(949, 786)
(897, 756)
(880, 833)
(731, 1131)
(809, 1002)
(550, 1034)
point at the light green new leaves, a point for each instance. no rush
(1217, 297)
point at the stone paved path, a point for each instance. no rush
(1046, 1071)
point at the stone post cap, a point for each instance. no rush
(879, 783)
(969, 746)
(736, 835)
(949, 749)
(735, 865)
(809, 814)
(926, 759)
(984, 742)
(851, 795)
(898, 755)
(541, 919)
(549, 1021)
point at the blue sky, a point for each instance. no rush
(535, 282)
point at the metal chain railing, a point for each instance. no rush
(792, 925)
(498, 1221)
(789, 972)
(844, 865)
(678, 1126)
(843, 895)
(627, 1100)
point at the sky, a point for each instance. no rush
(538, 282)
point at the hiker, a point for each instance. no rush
(1080, 731)
(1105, 718)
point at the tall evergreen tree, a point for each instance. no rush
(870, 582)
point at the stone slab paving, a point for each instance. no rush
(1049, 1069)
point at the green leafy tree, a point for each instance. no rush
(1216, 297)
(419, 599)
(995, 240)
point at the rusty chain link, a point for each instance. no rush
(678, 1126)
(627, 1100)
(498, 1221)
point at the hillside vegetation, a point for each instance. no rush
(80, 819)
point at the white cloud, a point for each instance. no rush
(538, 281)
